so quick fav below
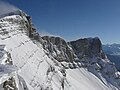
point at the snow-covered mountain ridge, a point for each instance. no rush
(51, 63)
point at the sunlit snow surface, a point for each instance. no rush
(33, 64)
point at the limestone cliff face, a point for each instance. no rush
(59, 49)
(88, 47)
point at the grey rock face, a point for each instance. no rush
(59, 47)
(87, 47)
(10, 84)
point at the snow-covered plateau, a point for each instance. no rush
(31, 62)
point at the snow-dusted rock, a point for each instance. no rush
(59, 49)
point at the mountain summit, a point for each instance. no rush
(31, 62)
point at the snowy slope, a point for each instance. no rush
(84, 80)
(39, 71)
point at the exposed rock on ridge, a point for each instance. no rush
(59, 49)
(88, 47)
(85, 53)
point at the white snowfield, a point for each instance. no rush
(37, 71)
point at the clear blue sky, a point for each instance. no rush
(74, 19)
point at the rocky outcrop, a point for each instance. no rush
(92, 57)
(10, 84)
(59, 49)
(88, 47)
(25, 22)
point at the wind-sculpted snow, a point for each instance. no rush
(38, 64)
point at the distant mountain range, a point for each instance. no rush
(113, 53)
